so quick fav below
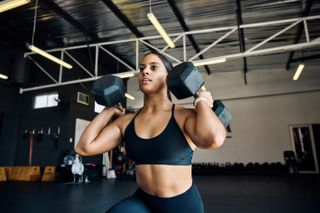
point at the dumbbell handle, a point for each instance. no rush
(202, 88)
(219, 109)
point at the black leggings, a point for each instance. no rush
(141, 202)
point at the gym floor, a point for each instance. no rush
(220, 193)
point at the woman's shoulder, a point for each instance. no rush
(126, 117)
(124, 120)
(182, 111)
(182, 108)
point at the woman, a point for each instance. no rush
(160, 138)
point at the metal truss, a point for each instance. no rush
(253, 51)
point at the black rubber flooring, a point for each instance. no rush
(220, 193)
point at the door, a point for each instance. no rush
(304, 147)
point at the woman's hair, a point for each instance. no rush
(166, 62)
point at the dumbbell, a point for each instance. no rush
(185, 81)
(109, 91)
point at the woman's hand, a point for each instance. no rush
(119, 110)
(204, 96)
(203, 126)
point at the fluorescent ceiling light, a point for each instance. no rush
(3, 76)
(125, 74)
(208, 61)
(298, 72)
(49, 56)
(160, 29)
(129, 96)
(10, 4)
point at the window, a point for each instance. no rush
(46, 100)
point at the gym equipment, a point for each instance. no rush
(109, 90)
(3, 175)
(30, 146)
(222, 112)
(290, 161)
(77, 169)
(23, 173)
(185, 81)
(49, 174)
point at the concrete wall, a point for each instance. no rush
(262, 111)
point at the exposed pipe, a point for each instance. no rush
(186, 29)
(241, 40)
(305, 12)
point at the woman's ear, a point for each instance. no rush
(167, 78)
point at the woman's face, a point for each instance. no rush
(153, 74)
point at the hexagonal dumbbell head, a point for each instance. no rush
(184, 80)
(108, 90)
(222, 112)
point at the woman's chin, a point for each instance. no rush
(145, 87)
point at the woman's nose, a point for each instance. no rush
(146, 71)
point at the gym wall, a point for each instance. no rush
(19, 116)
(262, 111)
(260, 127)
(8, 136)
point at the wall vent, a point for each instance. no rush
(83, 98)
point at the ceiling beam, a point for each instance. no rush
(59, 11)
(306, 58)
(241, 40)
(183, 24)
(11, 39)
(18, 40)
(305, 12)
(123, 18)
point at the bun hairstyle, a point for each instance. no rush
(166, 62)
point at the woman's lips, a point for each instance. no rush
(146, 80)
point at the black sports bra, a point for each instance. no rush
(170, 147)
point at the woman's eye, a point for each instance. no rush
(141, 69)
(153, 67)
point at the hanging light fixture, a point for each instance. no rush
(298, 72)
(300, 68)
(208, 61)
(49, 56)
(159, 28)
(10, 4)
(40, 51)
(2, 76)
(128, 96)
(128, 74)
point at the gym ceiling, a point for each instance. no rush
(70, 23)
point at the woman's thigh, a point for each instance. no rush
(190, 201)
(132, 204)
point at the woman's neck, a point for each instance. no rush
(153, 103)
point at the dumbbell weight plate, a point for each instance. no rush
(108, 90)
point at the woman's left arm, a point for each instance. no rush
(203, 126)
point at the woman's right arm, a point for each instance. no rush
(98, 137)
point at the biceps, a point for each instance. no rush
(109, 138)
(190, 128)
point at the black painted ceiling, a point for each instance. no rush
(67, 23)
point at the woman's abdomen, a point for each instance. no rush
(164, 180)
